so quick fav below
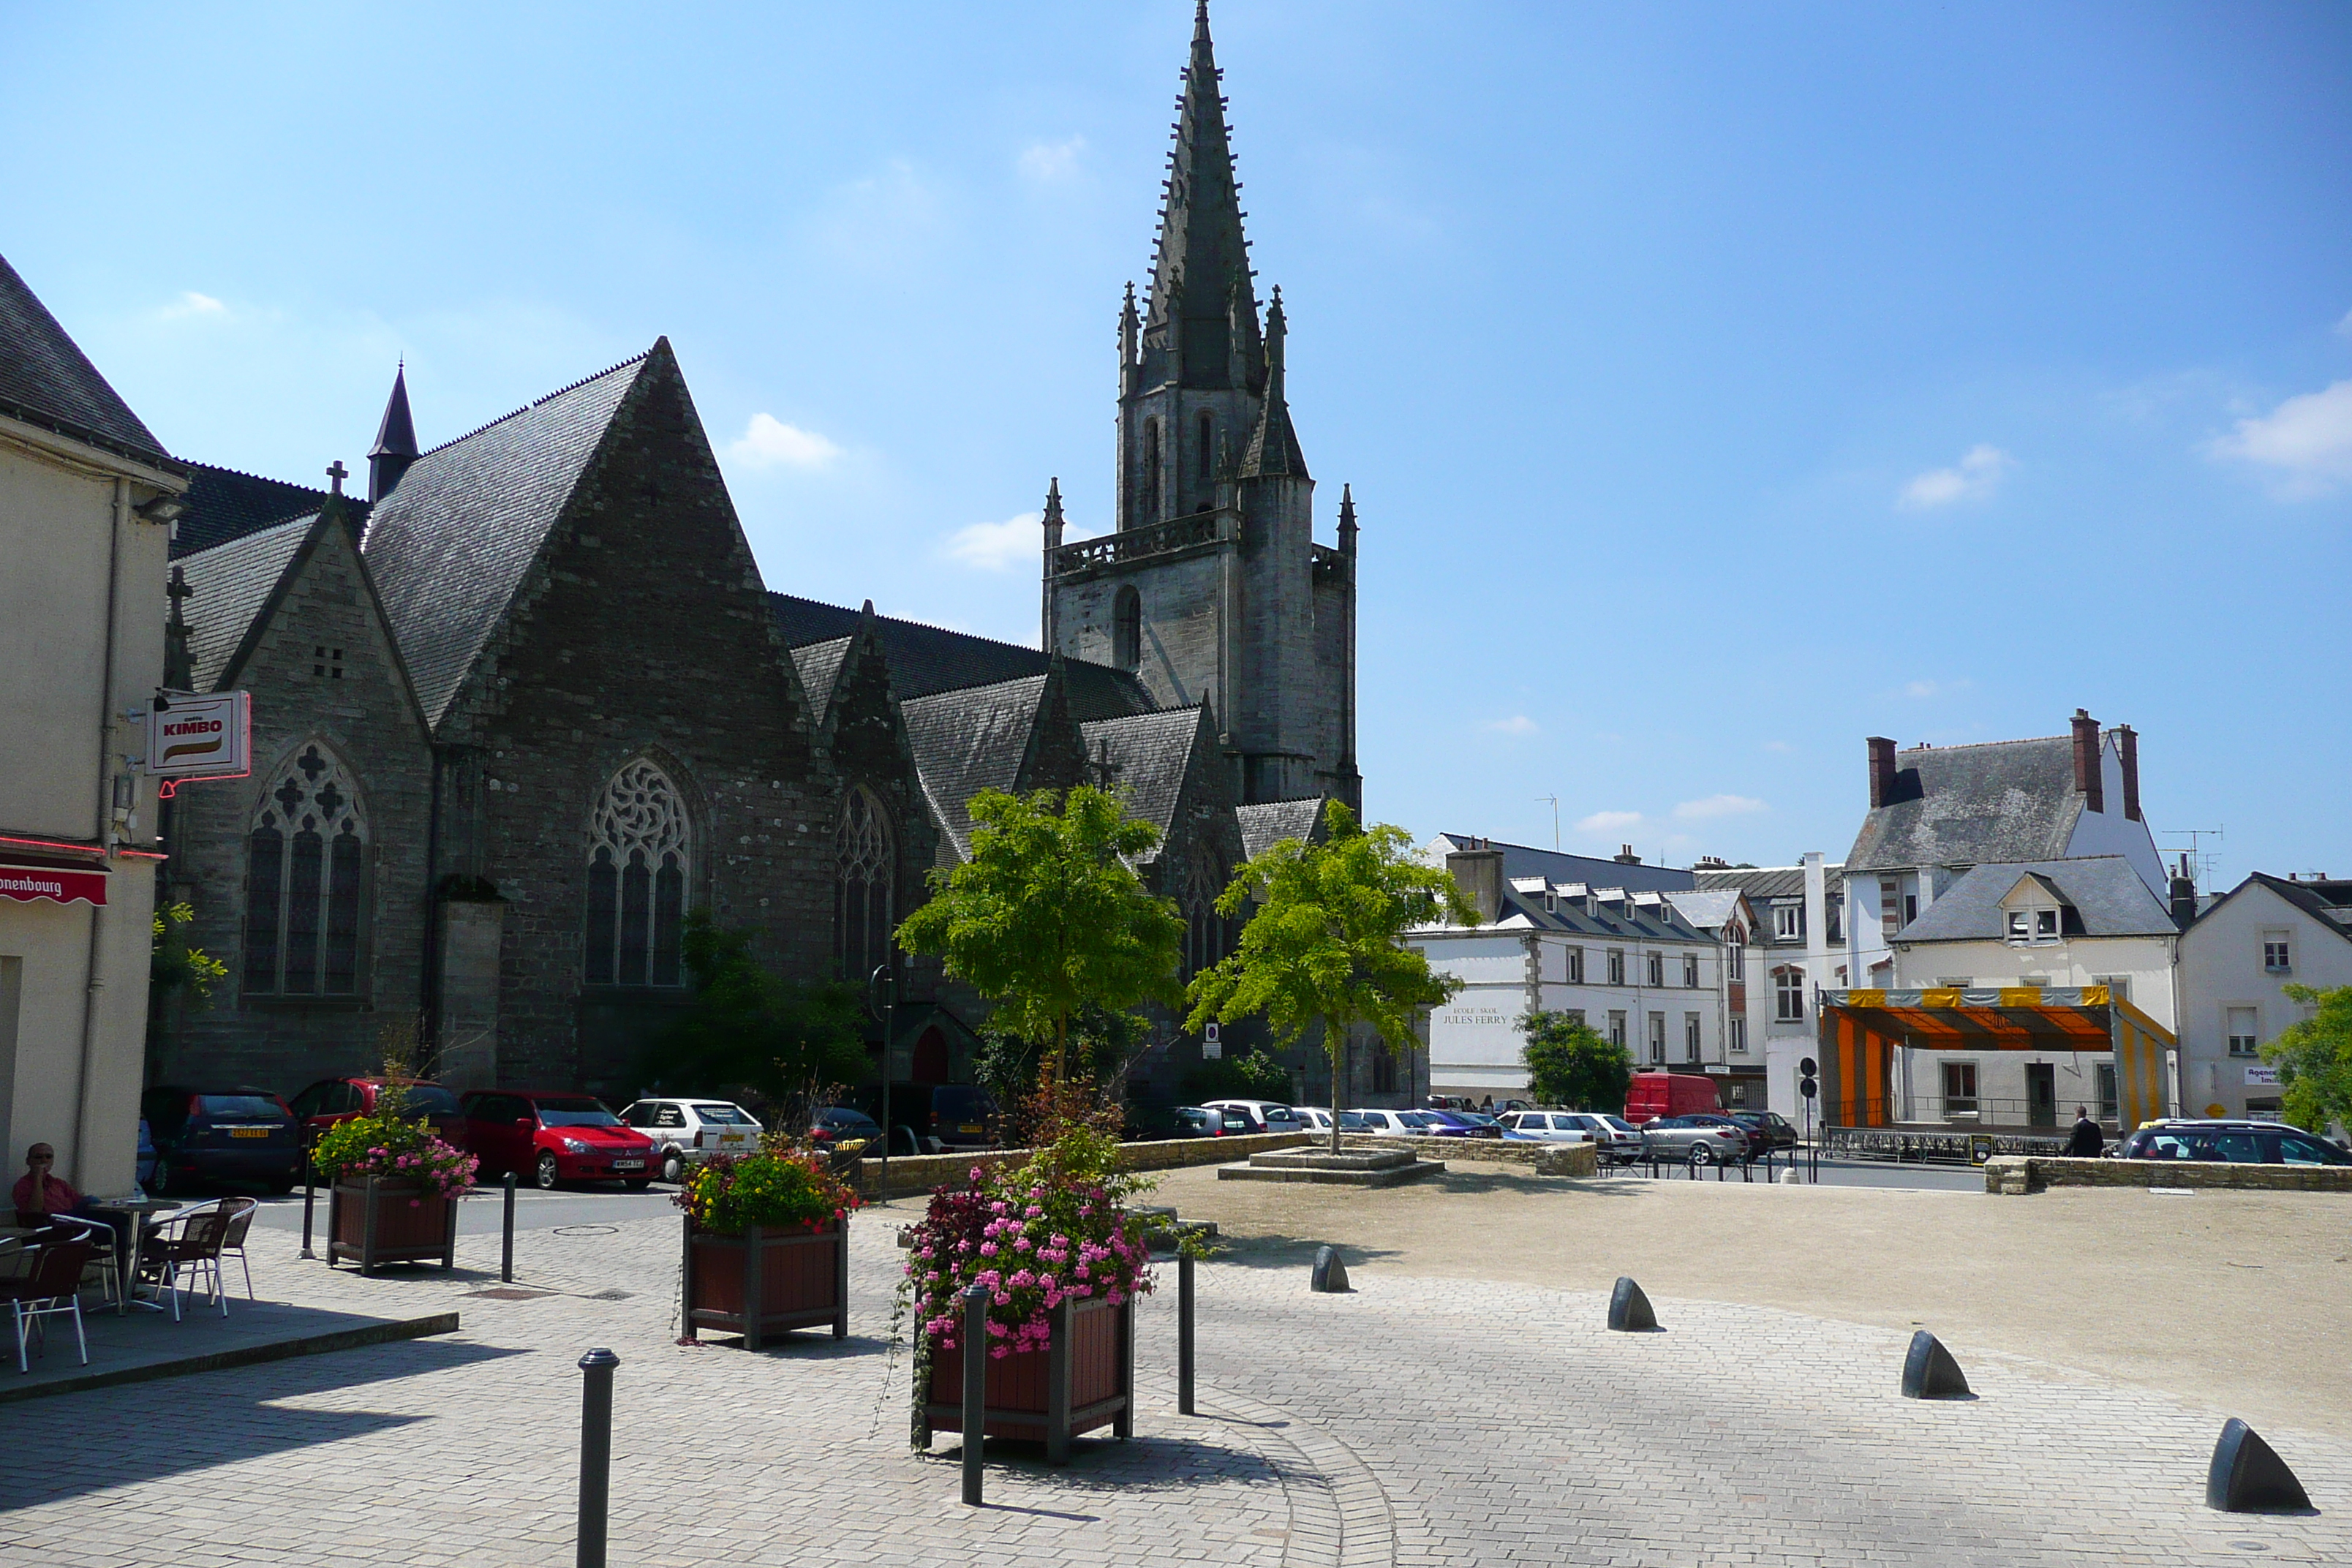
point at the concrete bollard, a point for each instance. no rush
(1330, 1276)
(2247, 1476)
(1930, 1372)
(1629, 1309)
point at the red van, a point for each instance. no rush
(1669, 1094)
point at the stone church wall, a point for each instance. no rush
(1180, 596)
(283, 1043)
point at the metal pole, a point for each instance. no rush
(890, 1035)
(505, 1246)
(1184, 1332)
(975, 1390)
(309, 1201)
(595, 1452)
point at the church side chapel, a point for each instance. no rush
(528, 704)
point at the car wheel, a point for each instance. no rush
(281, 1185)
(673, 1167)
(547, 1176)
(1701, 1155)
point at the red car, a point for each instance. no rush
(551, 1137)
(334, 1100)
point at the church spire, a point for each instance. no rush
(396, 440)
(1273, 445)
(1189, 333)
(1347, 520)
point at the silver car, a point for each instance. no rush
(1544, 1127)
(689, 1131)
(1685, 1137)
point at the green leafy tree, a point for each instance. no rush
(1104, 1044)
(2314, 1057)
(1325, 946)
(1569, 1064)
(173, 965)
(784, 1040)
(1048, 916)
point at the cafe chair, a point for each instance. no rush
(188, 1242)
(105, 1261)
(52, 1289)
(241, 1221)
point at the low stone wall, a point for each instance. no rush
(2014, 1175)
(1543, 1159)
(912, 1174)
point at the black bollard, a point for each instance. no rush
(1330, 1276)
(975, 1390)
(595, 1452)
(1930, 1372)
(1629, 1309)
(1184, 1332)
(2246, 1476)
(506, 1248)
(309, 1202)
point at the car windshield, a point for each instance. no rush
(239, 1108)
(431, 1099)
(1414, 1118)
(574, 1114)
(724, 1116)
(1351, 1122)
(842, 1116)
(1620, 1123)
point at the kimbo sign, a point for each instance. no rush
(199, 737)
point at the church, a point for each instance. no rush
(530, 702)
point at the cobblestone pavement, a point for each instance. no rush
(1422, 1421)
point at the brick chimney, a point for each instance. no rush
(2087, 783)
(1625, 856)
(2127, 749)
(2184, 892)
(1479, 874)
(1882, 770)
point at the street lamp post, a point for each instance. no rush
(882, 999)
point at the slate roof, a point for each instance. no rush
(221, 504)
(1520, 860)
(1759, 881)
(1148, 754)
(233, 583)
(1267, 823)
(820, 669)
(2320, 905)
(2106, 894)
(2004, 801)
(1707, 907)
(926, 660)
(967, 740)
(46, 380)
(451, 546)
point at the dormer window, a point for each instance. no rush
(2033, 927)
(1788, 922)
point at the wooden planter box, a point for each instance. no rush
(373, 1222)
(1083, 1380)
(766, 1281)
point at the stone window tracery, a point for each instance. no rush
(866, 876)
(640, 849)
(306, 868)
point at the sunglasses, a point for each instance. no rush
(41, 1160)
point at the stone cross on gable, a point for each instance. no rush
(337, 474)
(1100, 770)
(178, 591)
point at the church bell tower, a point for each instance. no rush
(1211, 586)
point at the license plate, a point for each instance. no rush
(730, 1137)
(850, 1145)
(248, 1131)
(628, 1164)
(974, 1128)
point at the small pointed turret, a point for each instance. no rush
(1347, 520)
(1054, 515)
(1131, 331)
(396, 440)
(1273, 445)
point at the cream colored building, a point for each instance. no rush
(86, 503)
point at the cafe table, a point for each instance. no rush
(132, 1211)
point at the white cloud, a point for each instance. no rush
(1779, 746)
(1516, 725)
(2345, 326)
(768, 442)
(1608, 821)
(998, 546)
(1973, 478)
(2307, 440)
(192, 303)
(1923, 689)
(1715, 805)
(1047, 162)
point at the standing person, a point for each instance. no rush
(40, 1195)
(2088, 1142)
(1487, 1105)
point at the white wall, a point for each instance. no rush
(2147, 961)
(2222, 968)
(2110, 832)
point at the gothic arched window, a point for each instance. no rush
(640, 850)
(1208, 445)
(866, 878)
(1127, 628)
(305, 865)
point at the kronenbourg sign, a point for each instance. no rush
(200, 737)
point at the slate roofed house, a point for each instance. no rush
(1936, 811)
(2237, 960)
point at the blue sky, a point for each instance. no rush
(1720, 384)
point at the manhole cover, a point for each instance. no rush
(508, 1293)
(611, 1295)
(587, 1230)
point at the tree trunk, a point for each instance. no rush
(1338, 1055)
